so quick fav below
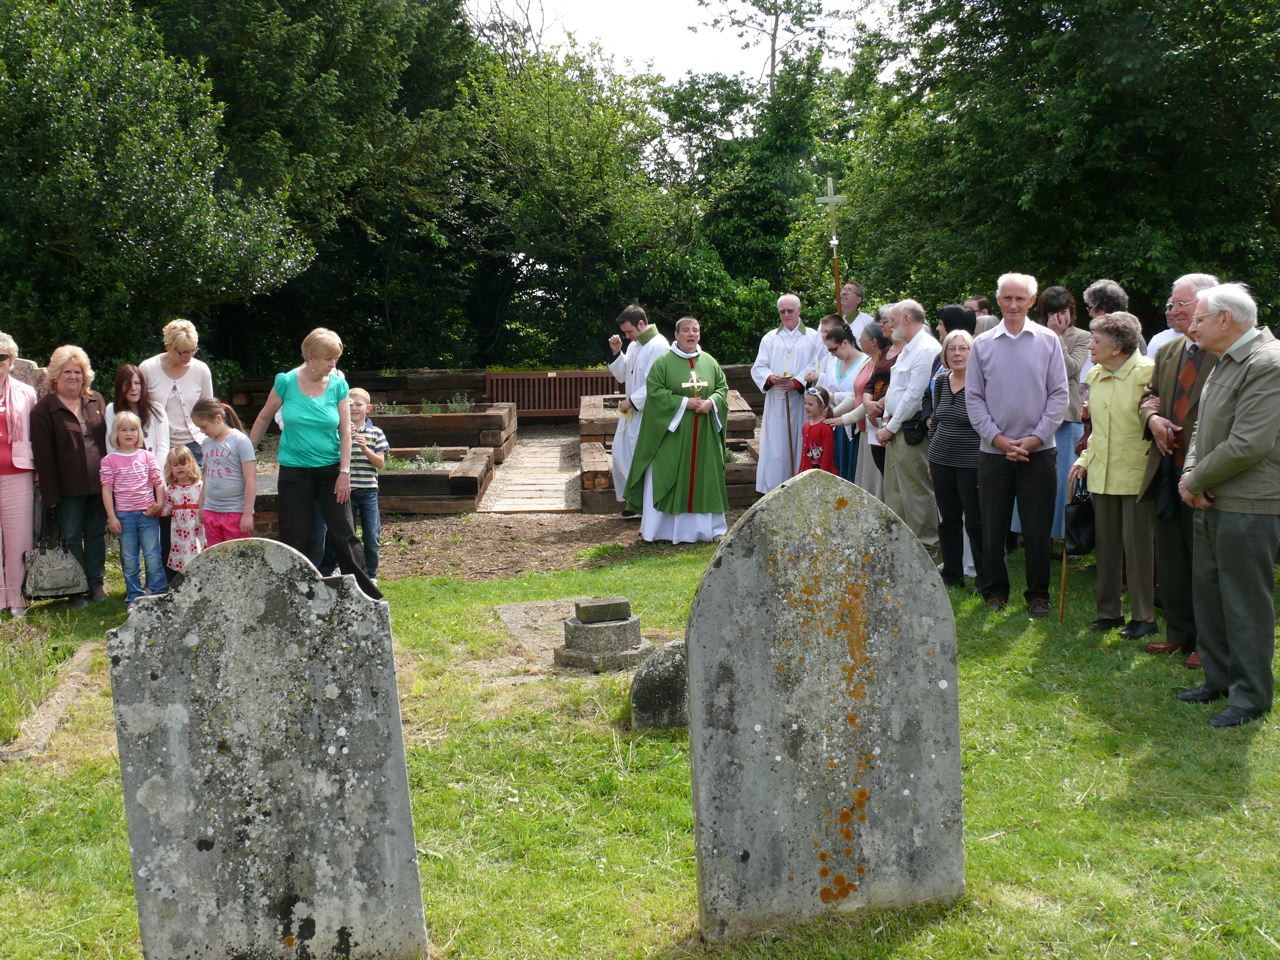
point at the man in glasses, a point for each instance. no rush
(1231, 478)
(1169, 412)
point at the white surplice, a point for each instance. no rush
(631, 369)
(790, 354)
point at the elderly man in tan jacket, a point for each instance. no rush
(1232, 479)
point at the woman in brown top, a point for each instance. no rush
(69, 440)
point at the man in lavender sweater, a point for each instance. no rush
(1017, 393)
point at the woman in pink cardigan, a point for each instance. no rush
(17, 486)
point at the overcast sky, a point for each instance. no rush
(652, 32)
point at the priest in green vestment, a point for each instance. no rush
(677, 472)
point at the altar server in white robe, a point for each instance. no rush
(630, 368)
(784, 367)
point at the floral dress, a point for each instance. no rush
(181, 502)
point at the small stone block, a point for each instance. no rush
(604, 661)
(602, 609)
(601, 637)
(660, 690)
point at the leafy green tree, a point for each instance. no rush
(347, 107)
(111, 214)
(1072, 140)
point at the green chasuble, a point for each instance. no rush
(688, 463)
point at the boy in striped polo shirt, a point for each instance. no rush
(368, 454)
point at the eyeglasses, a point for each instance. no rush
(1199, 317)
(1168, 306)
(1180, 303)
(813, 392)
(4, 357)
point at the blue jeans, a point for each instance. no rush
(140, 537)
(82, 521)
(365, 516)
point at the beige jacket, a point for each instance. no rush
(1235, 451)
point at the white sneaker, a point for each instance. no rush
(17, 611)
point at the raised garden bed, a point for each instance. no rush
(456, 488)
(401, 386)
(484, 425)
(597, 480)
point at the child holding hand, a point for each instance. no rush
(368, 455)
(182, 505)
(133, 492)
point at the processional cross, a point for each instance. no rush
(831, 201)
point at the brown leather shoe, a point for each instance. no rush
(996, 603)
(1164, 647)
(1038, 607)
(1193, 661)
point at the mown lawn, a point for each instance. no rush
(1103, 819)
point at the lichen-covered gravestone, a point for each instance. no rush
(263, 766)
(823, 717)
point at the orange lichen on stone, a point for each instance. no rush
(841, 502)
(861, 870)
(846, 815)
(860, 798)
(824, 872)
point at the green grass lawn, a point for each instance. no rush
(1103, 819)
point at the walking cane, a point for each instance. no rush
(791, 439)
(1062, 589)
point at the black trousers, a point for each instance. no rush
(298, 489)
(1034, 485)
(1174, 539)
(956, 490)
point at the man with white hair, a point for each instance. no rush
(784, 367)
(907, 489)
(1232, 480)
(1017, 397)
(1169, 411)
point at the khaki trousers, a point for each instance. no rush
(907, 489)
(1124, 529)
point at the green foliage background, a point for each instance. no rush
(450, 192)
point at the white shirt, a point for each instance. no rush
(908, 379)
(1160, 339)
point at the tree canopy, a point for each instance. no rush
(449, 192)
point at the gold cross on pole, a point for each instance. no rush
(831, 201)
(694, 383)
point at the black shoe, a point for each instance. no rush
(1200, 695)
(1140, 628)
(1234, 716)
(1103, 624)
(628, 514)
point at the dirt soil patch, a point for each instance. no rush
(488, 546)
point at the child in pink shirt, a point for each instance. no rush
(133, 492)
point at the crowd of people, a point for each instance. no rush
(977, 436)
(168, 467)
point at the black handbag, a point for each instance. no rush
(1077, 527)
(51, 570)
(914, 430)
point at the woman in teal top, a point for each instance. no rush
(315, 453)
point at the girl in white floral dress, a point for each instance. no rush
(182, 501)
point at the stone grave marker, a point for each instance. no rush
(602, 635)
(823, 715)
(263, 766)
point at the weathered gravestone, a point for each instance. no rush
(263, 766)
(824, 722)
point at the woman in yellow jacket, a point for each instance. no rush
(1114, 462)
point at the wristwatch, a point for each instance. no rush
(344, 469)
